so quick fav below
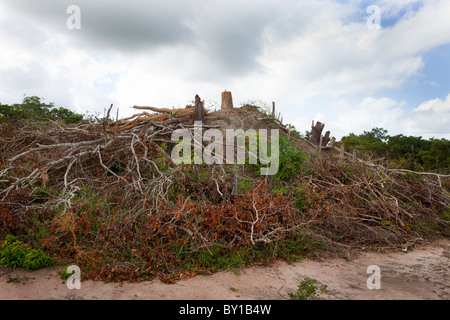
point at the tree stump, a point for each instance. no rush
(316, 132)
(198, 109)
(227, 101)
(341, 153)
(326, 139)
(318, 139)
(332, 142)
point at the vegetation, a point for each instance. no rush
(291, 160)
(64, 273)
(32, 108)
(13, 253)
(120, 209)
(307, 289)
(401, 151)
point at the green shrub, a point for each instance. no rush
(307, 289)
(64, 273)
(13, 254)
(291, 160)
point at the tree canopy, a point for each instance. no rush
(402, 151)
(34, 108)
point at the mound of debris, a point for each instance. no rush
(108, 196)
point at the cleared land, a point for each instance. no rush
(420, 274)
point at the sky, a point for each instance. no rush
(353, 65)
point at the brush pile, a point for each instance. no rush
(160, 114)
(108, 197)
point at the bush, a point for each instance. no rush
(307, 289)
(291, 160)
(64, 273)
(13, 254)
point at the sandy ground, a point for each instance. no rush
(421, 273)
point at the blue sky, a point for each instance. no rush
(318, 60)
(432, 82)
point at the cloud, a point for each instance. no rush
(312, 58)
(430, 119)
(395, 8)
(313, 44)
(369, 113)
(228, 36)
(113, 25)
(337, 58)
(427, 28)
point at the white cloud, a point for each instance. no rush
(430, 119)
(292, 52)
(393, 8)
(335, 58)
(370, 113)
(428, 28)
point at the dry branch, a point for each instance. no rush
(159, 110)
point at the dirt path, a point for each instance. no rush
(421, 273)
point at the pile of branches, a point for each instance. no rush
(159, 114)
(360, 204)
(110, 188)
(70, 157)
(108, 191)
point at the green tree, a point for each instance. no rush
(34, 108)
(373, 142)
(403, 151)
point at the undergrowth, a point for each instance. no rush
(14, 253)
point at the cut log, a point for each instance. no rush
(176, 120)
(126, 120)
(227, 101)
(138, 121)
(155, 117)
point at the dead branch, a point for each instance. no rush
(159, 110)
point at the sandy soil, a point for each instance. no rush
(421, 273)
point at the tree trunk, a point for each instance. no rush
(227, 101)
(341, 153)
(198, 109)
(326, 139)
(316, 132)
